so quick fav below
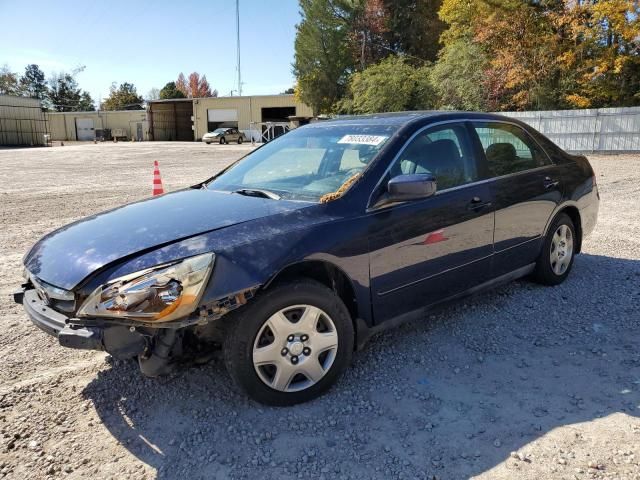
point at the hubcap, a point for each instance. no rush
(295, 348)
(561, 249)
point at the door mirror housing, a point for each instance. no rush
(404, 188)
(411, 187)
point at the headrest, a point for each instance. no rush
(443, 153)
(501, 151)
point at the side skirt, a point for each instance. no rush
(364, 333)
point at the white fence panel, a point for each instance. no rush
(589, 130)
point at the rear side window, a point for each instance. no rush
(442, 151)
(509, 149)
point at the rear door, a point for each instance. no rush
(424, 251)
(525, 186)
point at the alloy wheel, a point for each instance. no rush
(295, 348)
(561, 249)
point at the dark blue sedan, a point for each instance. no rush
(291, 258)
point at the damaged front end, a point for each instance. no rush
(153, 315)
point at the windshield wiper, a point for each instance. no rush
(257, 192)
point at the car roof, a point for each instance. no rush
(403, 118)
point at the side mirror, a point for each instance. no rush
(410, 187)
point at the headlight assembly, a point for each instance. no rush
(158, 294)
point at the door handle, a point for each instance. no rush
(550, 183)
(476, 204)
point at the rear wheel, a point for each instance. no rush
(290, 344)
(556, 259)
(240, 140)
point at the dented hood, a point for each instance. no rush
(67, 256)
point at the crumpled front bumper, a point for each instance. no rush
(119, 341)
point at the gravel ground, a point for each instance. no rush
(524, 382)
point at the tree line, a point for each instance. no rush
(362, 56)
(60, 92)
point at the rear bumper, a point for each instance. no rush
(120, 341)
(589, 212)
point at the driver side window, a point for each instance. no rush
(444, 152)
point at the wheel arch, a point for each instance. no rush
(574, 214)
(332, 277)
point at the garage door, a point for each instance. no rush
(222, 115)
(84, 129)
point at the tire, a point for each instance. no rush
(240, 140)
(558, 252)
(223, 140)
(279, 379)
(208, 143)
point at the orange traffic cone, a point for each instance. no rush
(157, 181)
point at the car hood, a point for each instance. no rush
(211, 134)
(67, 256)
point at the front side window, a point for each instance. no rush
(307, 162)
(508, 149)
(444, 152)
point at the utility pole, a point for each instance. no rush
(238, 40)
(364, 41)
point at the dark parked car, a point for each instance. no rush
(292, 257)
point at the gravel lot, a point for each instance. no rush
(524, 382)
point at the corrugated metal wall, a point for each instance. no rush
(171, 120)
(63, 124)
(249, 109)
(22, 121)
(591, 130)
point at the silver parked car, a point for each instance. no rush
(224, 135)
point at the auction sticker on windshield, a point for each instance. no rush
(363, 139)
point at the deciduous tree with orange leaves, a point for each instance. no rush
(195, 86)
(491, 54)
(550, 53)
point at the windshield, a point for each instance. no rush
(219, 130)
(306, 163)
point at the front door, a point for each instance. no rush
(425, 251)
(526, 189)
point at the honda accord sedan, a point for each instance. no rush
(287, 261)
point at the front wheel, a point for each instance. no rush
(558, 252)
(290, 344)
(222, 141)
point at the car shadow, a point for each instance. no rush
(450, 397)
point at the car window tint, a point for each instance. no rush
(441, 151)
(508, 149)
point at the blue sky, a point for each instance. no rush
(148, 43)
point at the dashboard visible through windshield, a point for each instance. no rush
(306, 163)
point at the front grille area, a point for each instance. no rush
(58, 299)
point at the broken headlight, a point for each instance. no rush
(158, 294)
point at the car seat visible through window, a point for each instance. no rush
(501, 158)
